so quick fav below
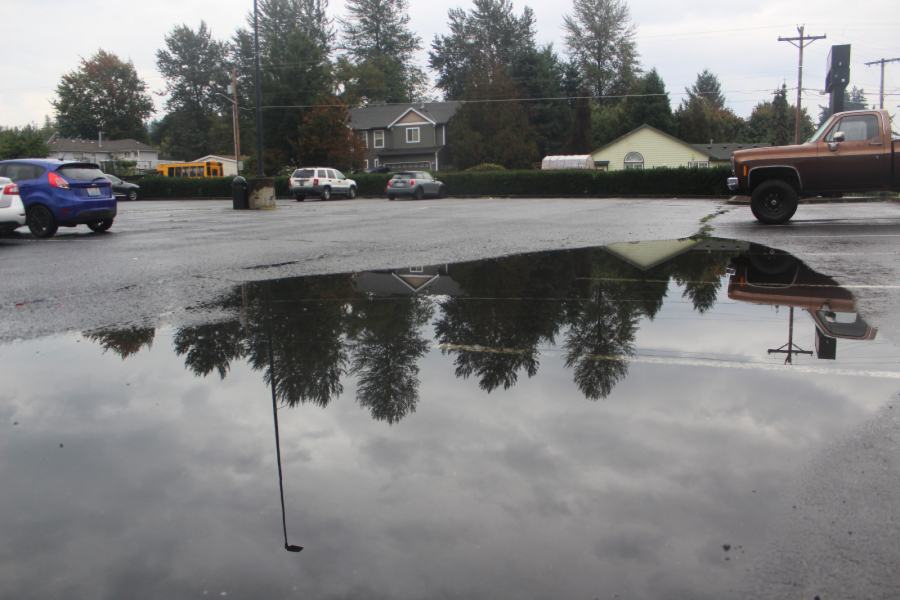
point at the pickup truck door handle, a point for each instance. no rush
(876, 143)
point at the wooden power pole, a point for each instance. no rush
(237, 130)
(881, 62)
(801, 42)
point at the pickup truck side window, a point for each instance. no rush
(858, 128)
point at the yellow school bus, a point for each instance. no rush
(207, 168)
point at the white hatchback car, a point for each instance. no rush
(12, 211)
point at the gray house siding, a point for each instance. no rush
(393, 122)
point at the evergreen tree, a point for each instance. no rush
(708, 87)
(855, 99)
(103, 94)
(600, 41)
(381, 49)
(781, 134)
(486, 130)
(608, 123)
(195, 68)
(650, 105)
(489, 36)
(25, 142)
(581, 140)
(702, 116)
(295, 74)
(539, 76)
(760, 124)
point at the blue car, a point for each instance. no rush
(59, 193)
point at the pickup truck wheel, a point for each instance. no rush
(774, 202)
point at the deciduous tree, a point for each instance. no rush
(325, 138)
(103, 94)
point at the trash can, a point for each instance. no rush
(239, 198)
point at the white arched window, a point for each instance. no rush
(633, 160)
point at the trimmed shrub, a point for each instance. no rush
(534, 184)
(486, 167)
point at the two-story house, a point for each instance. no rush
(97, 151)
(404, 136)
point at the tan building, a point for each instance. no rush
(649, 148)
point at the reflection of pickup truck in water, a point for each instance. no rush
(852, 151)
(765, 276)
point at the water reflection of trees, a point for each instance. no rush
(322, 328)
(124, 342)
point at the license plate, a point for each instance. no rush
(93, 191)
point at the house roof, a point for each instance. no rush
(76, 145)
(382, 116)
(721, 151)
(724, 151)
(220, 157)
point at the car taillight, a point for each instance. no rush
(412, 182)
(315, 182)
(12, 189)
(57, 181)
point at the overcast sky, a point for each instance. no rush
(738, 41)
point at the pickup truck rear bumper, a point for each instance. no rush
(732, 184)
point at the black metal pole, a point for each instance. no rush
(259, 139)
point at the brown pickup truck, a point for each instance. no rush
(852, 151)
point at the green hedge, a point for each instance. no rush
(537, 184)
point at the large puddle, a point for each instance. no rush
(609, 422)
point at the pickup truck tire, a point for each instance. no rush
(774, 202)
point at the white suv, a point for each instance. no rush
(323, 182)
(12, 211)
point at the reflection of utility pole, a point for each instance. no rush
(792, 348)
(881, 62)
(288, 547)
(803, 41)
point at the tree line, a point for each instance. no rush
(521, 99)
(320, 329)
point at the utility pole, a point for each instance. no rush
(881, 62)
(801, 43)
(237, 130)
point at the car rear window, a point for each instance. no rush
(302, 173)
(81, 172)
(19, 172)
(404, 176)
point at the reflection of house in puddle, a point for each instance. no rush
(765, 276)
(432, 280)
(646, 255)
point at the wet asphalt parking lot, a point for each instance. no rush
(831, 521)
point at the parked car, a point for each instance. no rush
(380, 169)
(323, 182)
(60, 193)
(12, 211)
(417, 184)
(123, 189)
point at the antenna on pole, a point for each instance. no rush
(801, 42)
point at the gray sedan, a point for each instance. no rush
(417, 184)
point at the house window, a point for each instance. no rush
(78, 155)
(698, 164)
(633, 160)
(364, 138)
(379, 139)
(366, 163)
(412, 135)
